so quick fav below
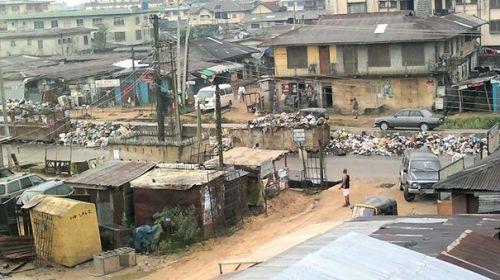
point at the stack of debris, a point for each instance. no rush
(16, 248)
(90, 134)
(227, 144)
(22, 110)
(288, 120)
(343, 142)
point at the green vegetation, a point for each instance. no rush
(480, 122)
(185, 229)
(198, 32)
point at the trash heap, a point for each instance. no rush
(288, 120)
(90, 134)
(342, 142)
(23, 110)
(227, 142)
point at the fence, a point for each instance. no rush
(493, 139)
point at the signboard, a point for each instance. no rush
(107, 83)
(148, 79)
(493, 139)
(451, 169)
(191, 83)
(439, 103)
(299, 135)
(266, 168)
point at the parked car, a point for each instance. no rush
(16, 184)
(53, 188)
(419, 172)
(375, 205)
(206, 97)
(410, 118)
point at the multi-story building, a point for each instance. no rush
(301, 5)
(120, 26)
(488, 10)
(367, 6)
(391, 59)
(123, 4)
(21, 7)
(220, 12)
(46, 42)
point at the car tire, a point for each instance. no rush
(424, 127)
(401, 186)
(230, 104)
(384, 126)
(407, 195)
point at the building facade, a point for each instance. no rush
(488, 10)
(46, 42)
(120, 26)
(385, 68)
(220, 12)
(122, 4)
(22, 7)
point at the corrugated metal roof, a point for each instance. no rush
(357, 256)
(481, 176)
(78, 13)
(283, 16)
(212, 49)
(44, 32)
(244, 156)
(475, 252)
(360, 29)
(175, 179)
(429, 235)
(111, 174)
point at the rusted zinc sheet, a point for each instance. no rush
(475, 252)
(112, 173)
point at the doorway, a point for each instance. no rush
(327, 96)
(324, 60)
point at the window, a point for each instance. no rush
(415, 114)
(79, 22)
(381, 4)
(296, 57)
(473, 1)
(15, 8)
(404, 113)
(38, 24)
(29, 42)
(118, 21)
(234, 15)
(2, 189)
(96, 21)
(40, 44)
(85, 40)
(54, 24)
(35, 180)
(13, 186)
(495, 26)
(221, 15)
(119, 36)
(494, 4)
(12, 43)
(255, 26)
(393, 4)
(25, 183)
(413, 54)
(355, 8)
(138, 35)
(137, 20)
(379, 56)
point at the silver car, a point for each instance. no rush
(419, 172)
(410, 118)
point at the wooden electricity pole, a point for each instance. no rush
(218, 126)
(160, 97)
(175, 94)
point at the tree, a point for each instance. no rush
(100, 37)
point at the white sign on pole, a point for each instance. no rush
(107, 83)
(299, 135)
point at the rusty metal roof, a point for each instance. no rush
(375, 28)
(475, 252)
(166, 178)
(112, 173)
(481, 176)
(244, 156)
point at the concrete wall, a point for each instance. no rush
(267, 139)
(482, 10)
(130, 26)
(459, 202)
(50, 45)
(153, 153)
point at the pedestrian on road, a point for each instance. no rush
(355, 108)
(346, 182)
(241, 92)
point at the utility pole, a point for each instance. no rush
(186, 50)
(160, 98)
(175, 94)
(4, 105)
(218, 126)
(178, 52)
(133, 58)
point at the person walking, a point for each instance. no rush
(355, 108)
(346, 183)
(241, 92)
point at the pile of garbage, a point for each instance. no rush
(342, 142)
(227, 142)
(289, 120)
(90, 134)
(23, 110)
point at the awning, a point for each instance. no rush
(471, 83)
(225, 67)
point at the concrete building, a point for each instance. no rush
(122, 4)
(57, 41)
(422, 7)
(488, 10)
(22, 7)
(123, 26)
(370, 57)
(220, 12)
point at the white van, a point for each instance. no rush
(206, 96)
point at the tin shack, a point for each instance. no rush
(109, 188)
(165, 186)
